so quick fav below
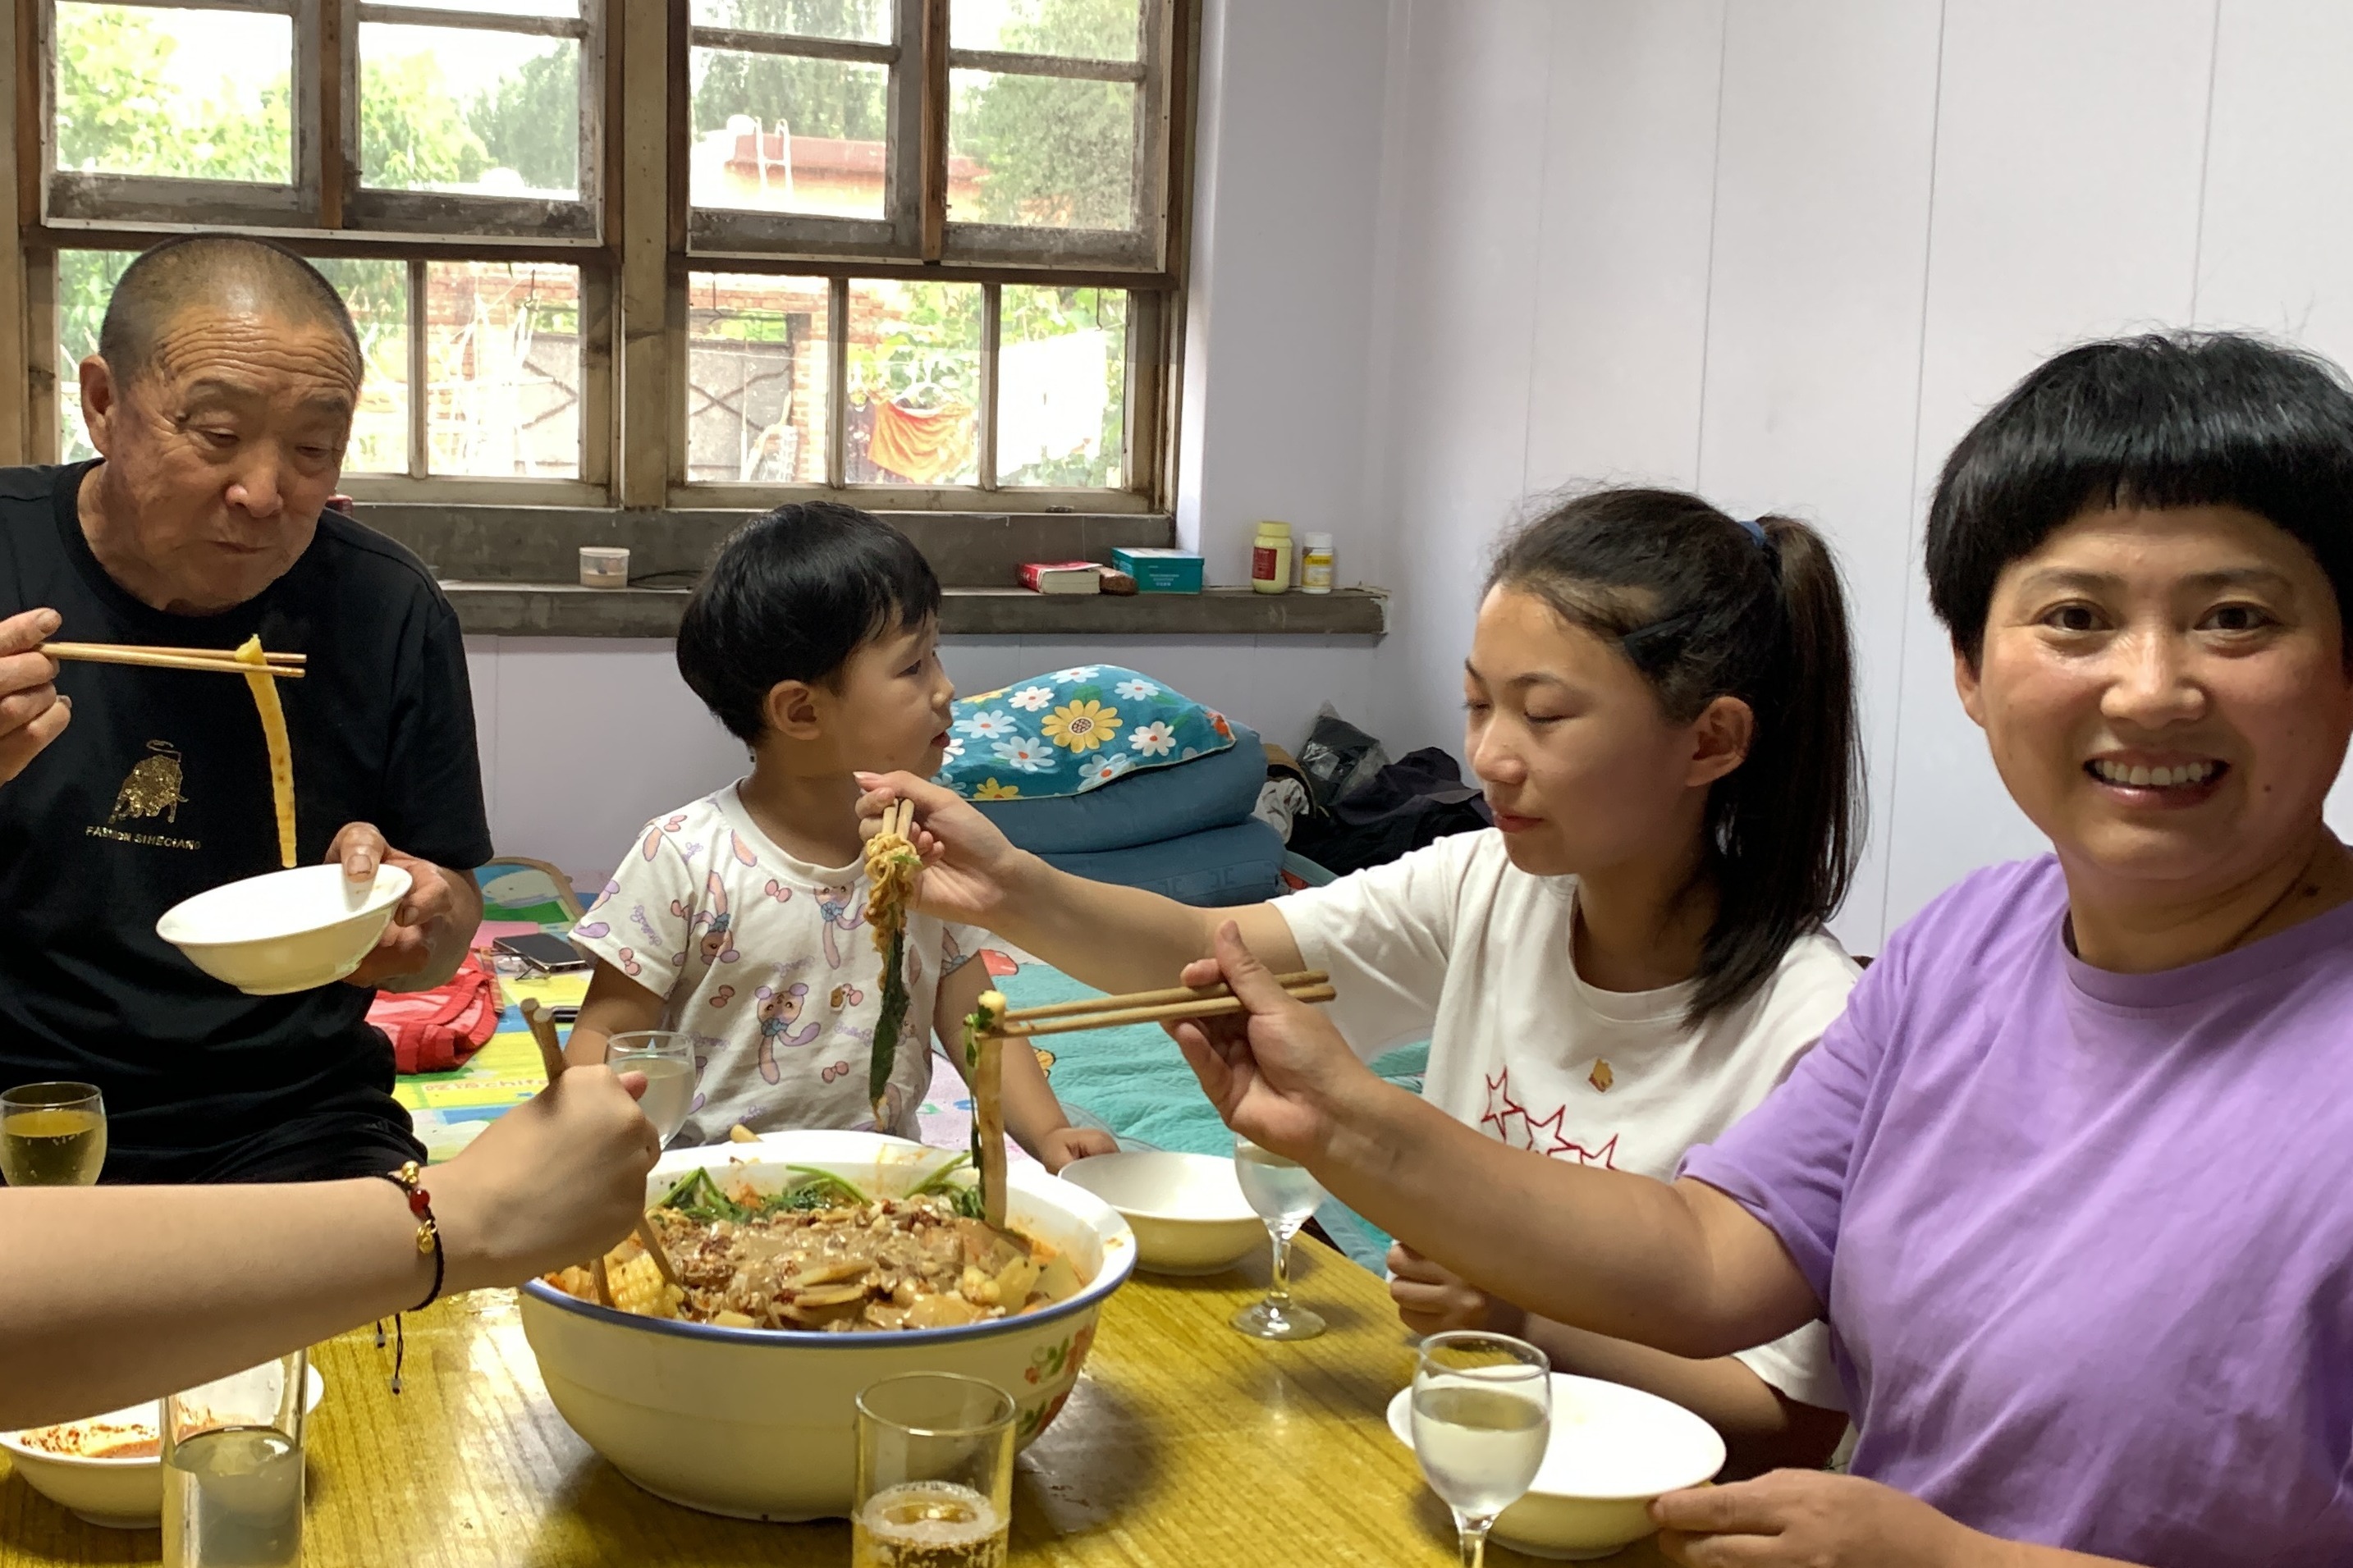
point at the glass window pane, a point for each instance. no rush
(502, 7)
(188, 94)
(1041, 152)
(914, 384)
(376, 294)
(867, 21)
(454, 108)
(502, 364)
(759, 372)
(85, 282)
(1061, 387)
(782, 133)
(1086, 29)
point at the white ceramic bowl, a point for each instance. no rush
(119, 1494)
(1187, 1211)
(1613, 1450)
(758, 1423)
(288, 931)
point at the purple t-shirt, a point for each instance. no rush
(2086, 1238)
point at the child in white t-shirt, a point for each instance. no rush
(741, 919)
(1660, 710)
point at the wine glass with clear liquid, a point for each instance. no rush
(1284, 1192)
(667, 1058)
(52, 1135)
(1481, 1418)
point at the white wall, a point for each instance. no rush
(1279, 317)
(1787, 250)
(583, 740)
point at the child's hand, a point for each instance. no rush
(970, 868)
(1432, 1301)
(1064, 1144)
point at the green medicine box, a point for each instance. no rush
(1161, 571)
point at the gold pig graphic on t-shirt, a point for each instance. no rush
(154, 787)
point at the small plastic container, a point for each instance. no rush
(603, 566)
(1270, 558)
(1315, 565)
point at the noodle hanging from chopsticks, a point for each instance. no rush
(984, 1060)
(273, 733)
(892, 868)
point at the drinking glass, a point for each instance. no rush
(1482, 1417)
(1285, 1194)
(233, 1469)
(934, 1473)
(667, 1058)
(52, 1135)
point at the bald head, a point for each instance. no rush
(229, 274)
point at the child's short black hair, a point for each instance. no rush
(2171, 419)
(791, 596)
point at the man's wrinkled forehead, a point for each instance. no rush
(206, 353)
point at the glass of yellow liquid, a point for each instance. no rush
(934, 1473)
(52, 1135)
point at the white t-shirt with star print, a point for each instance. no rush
(769, 963)
(1456, 944)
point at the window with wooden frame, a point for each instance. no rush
(928, 249)
(442, 161)
(914, 253)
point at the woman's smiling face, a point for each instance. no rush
(2166, 697)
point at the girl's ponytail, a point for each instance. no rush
(1709, 607)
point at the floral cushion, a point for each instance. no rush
(1073, 731)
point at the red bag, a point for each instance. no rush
(436, 1030)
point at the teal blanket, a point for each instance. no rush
(1134, 1081)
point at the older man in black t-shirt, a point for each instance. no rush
(220, 398)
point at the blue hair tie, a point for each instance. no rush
(1756, 531)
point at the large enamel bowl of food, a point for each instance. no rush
(1612, 1450)
(290, 930)
(1187, 1210)
(758, 1423)
(105, 1468)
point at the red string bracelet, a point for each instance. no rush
(429, 1239)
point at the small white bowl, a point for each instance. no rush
(1613, 1450)
(288, 931)
(118, 1494)
(1187, 1211)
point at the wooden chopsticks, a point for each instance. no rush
(542, 1024)
(1151, 1007)
(284, 666)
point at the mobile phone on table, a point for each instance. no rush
(548, 955)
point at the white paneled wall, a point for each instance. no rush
(583, 741)
(1787, 251)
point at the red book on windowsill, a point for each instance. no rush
(1063, 577)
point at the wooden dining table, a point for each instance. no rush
(1184, 1443)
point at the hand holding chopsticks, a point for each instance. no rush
(284, 666)
(542, 1024)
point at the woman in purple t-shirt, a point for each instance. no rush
(2069, 1178)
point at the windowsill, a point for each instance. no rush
(490, 608)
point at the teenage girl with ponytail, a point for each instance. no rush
(1661, 708)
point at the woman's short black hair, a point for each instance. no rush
(791, 596)
(2170, 419)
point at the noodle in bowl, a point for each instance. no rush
(759, 1423)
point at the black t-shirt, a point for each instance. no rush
(159, 789)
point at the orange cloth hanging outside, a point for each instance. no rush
(926, 448)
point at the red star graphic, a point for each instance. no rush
(1512, 1123)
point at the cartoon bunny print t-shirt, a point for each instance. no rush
(768, 963)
